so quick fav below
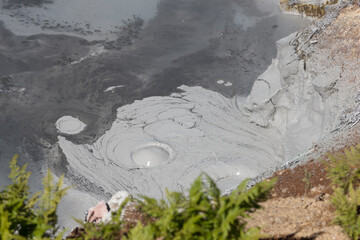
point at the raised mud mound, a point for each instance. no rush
(152, 155)
(69, 125)
(310, 89)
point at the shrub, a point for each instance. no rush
(344, 171)
(25, 217)
(204, 214)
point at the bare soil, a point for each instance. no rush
(299, 206)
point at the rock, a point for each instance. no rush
(97, 213)
(102, 211)
(114, 203)
(116, 200)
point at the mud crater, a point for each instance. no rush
(152, 155)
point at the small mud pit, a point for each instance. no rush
(69, 125)
(152, 155)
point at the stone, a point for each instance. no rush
(114, 203)
(102, 211)
(96, 213)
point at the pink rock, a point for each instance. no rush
(95, 214)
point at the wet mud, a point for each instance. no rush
(44, 77)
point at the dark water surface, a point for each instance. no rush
(90, 19)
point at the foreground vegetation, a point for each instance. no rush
(344, 171)
(29, 217)
(201, 214)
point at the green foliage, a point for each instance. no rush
(344, 171)
(344, 168)
(347, 210)
(204, 214)
(24, 217)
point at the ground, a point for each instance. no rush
(300, 204)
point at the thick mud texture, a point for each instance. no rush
(219, 45)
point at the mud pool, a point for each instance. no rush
(97, 98)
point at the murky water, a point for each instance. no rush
(248, 15)
(92, 19)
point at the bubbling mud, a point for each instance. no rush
(69, 125)
(166, 142)
(152, 155)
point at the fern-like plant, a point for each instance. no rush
(203, 214)
(25, 217)
(344, 171)
(344, 168)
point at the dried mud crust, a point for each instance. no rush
(341, 43)
(343, 37)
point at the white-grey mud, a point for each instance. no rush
(188, 42)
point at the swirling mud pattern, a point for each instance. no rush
(135, 95)
(165, 142)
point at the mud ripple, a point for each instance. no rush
(165, 142)
(69, 125)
